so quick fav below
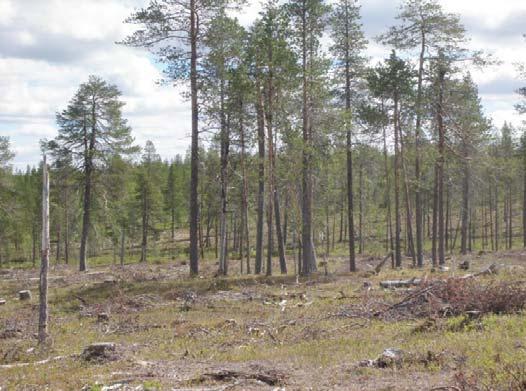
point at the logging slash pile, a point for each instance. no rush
(467, 295)
(457, 296)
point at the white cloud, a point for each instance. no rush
(49, 47)
(489, 12)
(39, 81)
(7, 11)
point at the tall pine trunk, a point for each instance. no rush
(88, 178)
(194, 159)
(434, 234)
(418, 194)
(389, 221)
(144, 242)
(309, 263)
(245, 233)
(225, 147)
(524, 195)
(409, 214)
(348, 130)
(279, 234)
(261, 178)
(441, 161)
(465, 203)
(398, 226)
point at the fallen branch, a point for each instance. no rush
(491, 269)
(270, 377)
(83, 301)
(379, 267)
(43, 362)
(406, 299)
(401, 283)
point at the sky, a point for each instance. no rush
(49, 47)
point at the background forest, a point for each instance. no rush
(301, 149)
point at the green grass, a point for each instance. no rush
(221, 329)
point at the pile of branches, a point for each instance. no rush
(457, 296)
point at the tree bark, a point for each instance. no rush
(465, 203)
(398, 247)
(496, 201)
(389, 222)
(434, 234)
(441, 160)
(225, 147)
(510, 216)
(418, 129)
(123, 248)
(245, 233)
(491, 226)
(66, 221)
(308, 255)
(361, 207)
(57, 251)
(524, 196)
(144, 242)
(279, 234)
(88, 177)
(261, 178)
(194, 163)
(409, 215)
(348, 130)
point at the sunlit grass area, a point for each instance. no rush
(171, 329)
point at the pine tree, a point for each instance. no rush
(91, 129)
(349, 43)
(277, 68)
(148, 193)
(309, 19)
(174, 31)
(426, 27)
(5, 190)
(393, 80)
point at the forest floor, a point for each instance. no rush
(338, 331)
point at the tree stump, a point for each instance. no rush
(464, 265)
(102, 351)
(103, 317)
(24, 295)
(2, 301)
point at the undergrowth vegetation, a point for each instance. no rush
(175, 332)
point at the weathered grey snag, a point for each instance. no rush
(43, 308)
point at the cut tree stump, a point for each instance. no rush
(103, 317)
(24, 295)
(464, 265)
(390, 358)
(2, 302)
(103, 351)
